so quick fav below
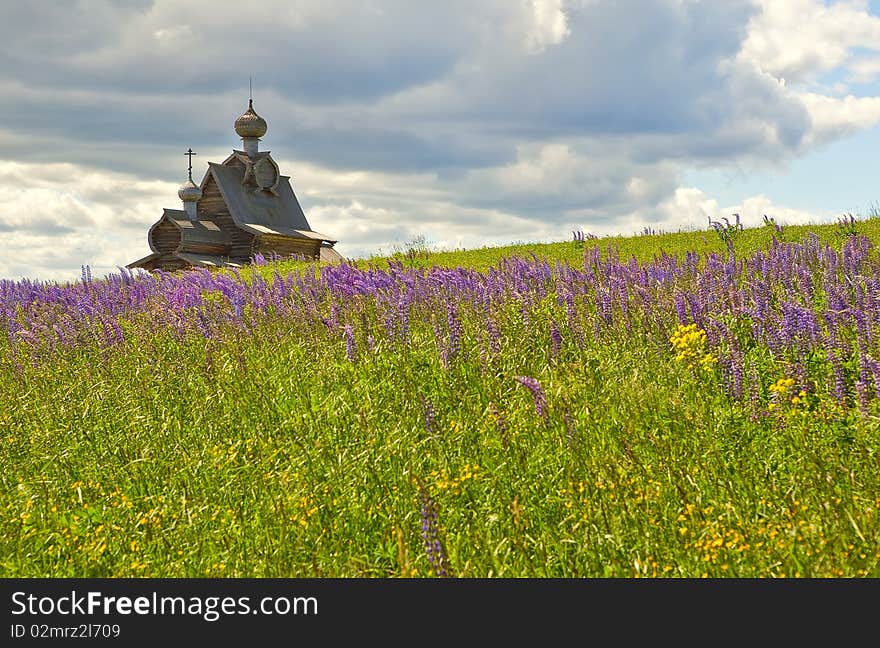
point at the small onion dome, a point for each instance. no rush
(189, 192)
(250, 124)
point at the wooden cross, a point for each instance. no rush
(189, 153)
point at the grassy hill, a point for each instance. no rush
(643, 248)
(659, 405)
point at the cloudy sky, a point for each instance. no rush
(470, 123)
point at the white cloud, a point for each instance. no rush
(799, 40)
(549, 27)
(691, 208)
(753, 209)
(55, 218)
(835, 117)
(178, 37)
(468, 123)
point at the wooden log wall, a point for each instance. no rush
(168, 264)
(267, 244)
(164, 237)
(203, 247)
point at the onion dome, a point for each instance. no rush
(250, 124)
(189, 191)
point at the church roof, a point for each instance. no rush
(191, 258)
(194, 232)
(278, 230)
(261, 212)
(207, 260)
(144, 260)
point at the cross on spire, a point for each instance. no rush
(189, 153)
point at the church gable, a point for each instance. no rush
(213, 205)
(257, 172)
(212, 201)
(236, 161)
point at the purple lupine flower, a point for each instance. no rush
(494, 336)
(203, 323)
(390, 321)
(605, 306)
(863, 337)
(862, 393)
(680, 308)
(555, 339)
(454, 325)
(526, 319)
(350, 346)
(839, 376)
(431, 536)
(430, 416)
(831, 322)
(112, 331)
(537, 394)
(736, 370)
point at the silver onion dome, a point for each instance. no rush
(189, 192)
(250, 124)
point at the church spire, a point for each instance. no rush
(189, 191)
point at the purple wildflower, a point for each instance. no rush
(839, 377)
(430, 416)
(494, 336)
(875, 374)
(537, 394)
(555, 339)
(736, 371)
(350, 346)
(862, 393)
(430, 535)
(454, 325)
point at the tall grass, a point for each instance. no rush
(654, 406)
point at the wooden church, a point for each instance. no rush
(243, 207)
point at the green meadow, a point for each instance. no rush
(287, 447)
